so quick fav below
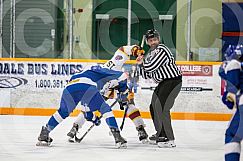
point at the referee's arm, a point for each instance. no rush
(143, 73)
(157, 61)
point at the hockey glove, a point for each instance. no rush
(122, 104)
(92, 118)
(130, 96)
(125, 98)
(97, 121)
(109, 94)
(137, 51)
(108, 91)
(122, 99)
(227, 101)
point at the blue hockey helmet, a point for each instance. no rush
(233, 52)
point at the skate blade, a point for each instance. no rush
(145, 141)
(71, 140)
(121, 146)
(166, 145)
(152, 142)
(43, 143)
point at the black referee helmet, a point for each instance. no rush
(151, 34)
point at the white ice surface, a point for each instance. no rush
(196, 141)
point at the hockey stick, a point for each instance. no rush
(142, 42)
(91, 127)
(141, 46)
(124, 117)
(126, 109)
(80, 139)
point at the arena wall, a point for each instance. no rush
(34, 87)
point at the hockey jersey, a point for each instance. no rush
(234, 77)
(222, 72)
(98, 76)
(120, 57)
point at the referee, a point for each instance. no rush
(159, 65)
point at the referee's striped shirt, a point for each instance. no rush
(159, 64)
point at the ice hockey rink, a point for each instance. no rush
(196, 140)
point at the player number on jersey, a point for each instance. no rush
(110, 64)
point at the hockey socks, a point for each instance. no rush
(232, 151)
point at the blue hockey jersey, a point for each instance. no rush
(97, 76)
(234, 77)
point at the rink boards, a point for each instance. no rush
(34, 87)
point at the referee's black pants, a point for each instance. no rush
(163, 100)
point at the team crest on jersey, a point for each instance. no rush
(118, 57)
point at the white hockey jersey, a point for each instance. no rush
(120, 57)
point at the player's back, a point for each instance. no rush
(98, 75)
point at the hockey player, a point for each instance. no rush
(233, 97)
(116, 63)
(230, 54)
(84, 88)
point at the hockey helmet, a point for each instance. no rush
(234, 52)
(151, 34)
(239, 52)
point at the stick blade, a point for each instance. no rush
(78, 140)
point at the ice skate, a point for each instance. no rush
(121, 143)
(142, 135)
(44, 139)
(166, 143)
(72, 133)
(153, 139)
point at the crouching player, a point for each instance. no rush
(84, 88)
(232, 72)
(116, 63)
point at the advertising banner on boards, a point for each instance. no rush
(33, 84)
